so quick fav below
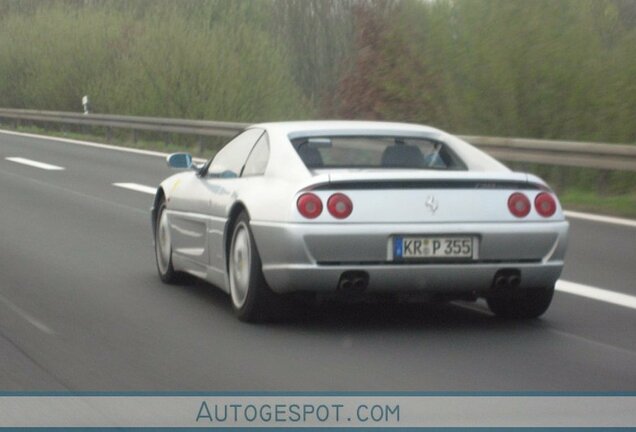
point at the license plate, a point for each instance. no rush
(434, 247)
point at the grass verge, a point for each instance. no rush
(619, 205)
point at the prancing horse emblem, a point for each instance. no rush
(432, 203)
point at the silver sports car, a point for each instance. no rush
(347, 207)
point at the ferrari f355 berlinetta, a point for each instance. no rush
(349, 207)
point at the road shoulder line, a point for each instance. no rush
(600, 218)
(93, 144)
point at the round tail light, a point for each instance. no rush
(519, 205)
(339, 205)
(309, 205)
(545, 204)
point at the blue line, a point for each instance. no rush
(311, 429)
(316, 393)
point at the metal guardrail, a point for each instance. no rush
(153, 124)
(566, 153)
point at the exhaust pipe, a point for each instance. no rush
(506, 279)
(359, 284)
(353, 281)
(500, 281)
(345, 284)
(514, 281)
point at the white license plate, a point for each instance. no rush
(434, 247)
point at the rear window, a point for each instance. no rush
(376, 152)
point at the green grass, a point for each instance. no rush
(572, 198)
(619, 205)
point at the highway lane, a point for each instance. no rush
(81, 307)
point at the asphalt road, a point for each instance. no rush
(81, 306)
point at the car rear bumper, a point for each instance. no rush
(449, 278)
(313, 257)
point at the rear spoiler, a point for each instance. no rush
(427, 184)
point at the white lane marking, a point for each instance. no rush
(35, 164)
(33, 321)
(94, 144)
(72, 192)
(599, 294)
(137, 187)
(600, 218)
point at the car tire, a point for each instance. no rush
(163, 248)
(252, 299)
(520, 303)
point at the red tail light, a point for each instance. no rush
(519, 205)
(545, 204)
(309, 205)
(339, 205)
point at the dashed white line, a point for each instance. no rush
(27, 317)
(137, 187)
(600, 218)
(35, 164)
(599, 294)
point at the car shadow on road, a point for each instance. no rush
(397, 316)
(365, 316)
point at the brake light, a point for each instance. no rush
(545, 204)
(309, 205)
(519, 205)
(339, 205)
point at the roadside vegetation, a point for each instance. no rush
(552, 69)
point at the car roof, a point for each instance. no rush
(330, 126)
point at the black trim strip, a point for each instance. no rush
(428, 184)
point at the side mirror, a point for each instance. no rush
(179, 160)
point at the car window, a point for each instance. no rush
(376, 152)
(229, 161)
(258, 158)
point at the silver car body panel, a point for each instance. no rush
(302, 254)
